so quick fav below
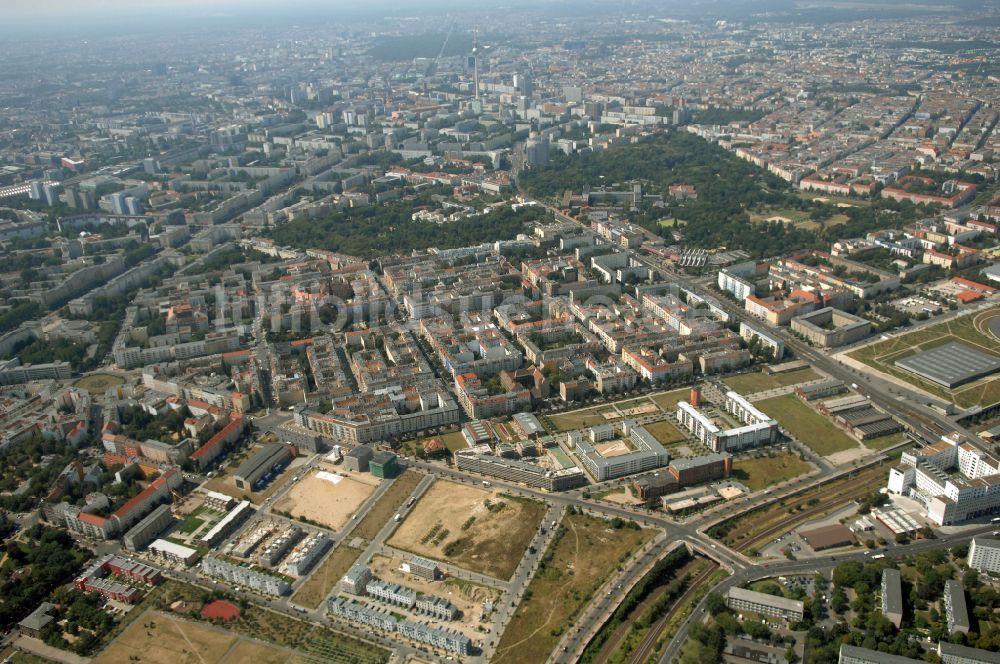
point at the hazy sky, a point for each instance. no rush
(41, 17)
(55, 8)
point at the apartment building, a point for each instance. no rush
(447, 639)
(356, 579)
(123, 518)
(855, 655)
(245, 576)
(984, 554)
(750, 601)
(523, 472)
(228, 524)
(953, 653)
(891, 596)
(829, 327)
(390, 413)
(956, 609)
(305, 554)
(645, 452)
(175, 553)
(392, 593)
(758, 428)
(147, 530)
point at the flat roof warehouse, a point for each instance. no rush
(950, 365)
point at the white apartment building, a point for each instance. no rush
(751, 601)
(984, 554)
(758, 428)
(953, 480)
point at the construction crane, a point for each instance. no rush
(432, 67)
(175, 504)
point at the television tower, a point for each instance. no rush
(475, 58)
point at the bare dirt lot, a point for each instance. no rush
(327, 574)
(328, 498)
(467, 596)
(163, 639)
(482, 531)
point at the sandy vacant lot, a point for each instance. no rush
(328, 498)
(452, 523)
(467, 596)
(163, 639)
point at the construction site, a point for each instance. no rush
(328, 498)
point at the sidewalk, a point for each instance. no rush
(39, 647)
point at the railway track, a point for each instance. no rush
(641, 654)
(850, 490)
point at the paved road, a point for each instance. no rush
(525, 571)
(39, 647)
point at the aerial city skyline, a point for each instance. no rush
(535, 332)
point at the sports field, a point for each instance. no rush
(972, 330)
(159, 638)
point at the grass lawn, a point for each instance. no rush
(793, 215)
(632, 403)
(834, 200)
(98, 383)
(454, 441)
(387, 505)
(883, 442)
(665, 432)
(190, 524)
(583, 554)
(579, 419)
(761, 472)
(668, 400)
(319, 584)
(806, 425)
(751, 383)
